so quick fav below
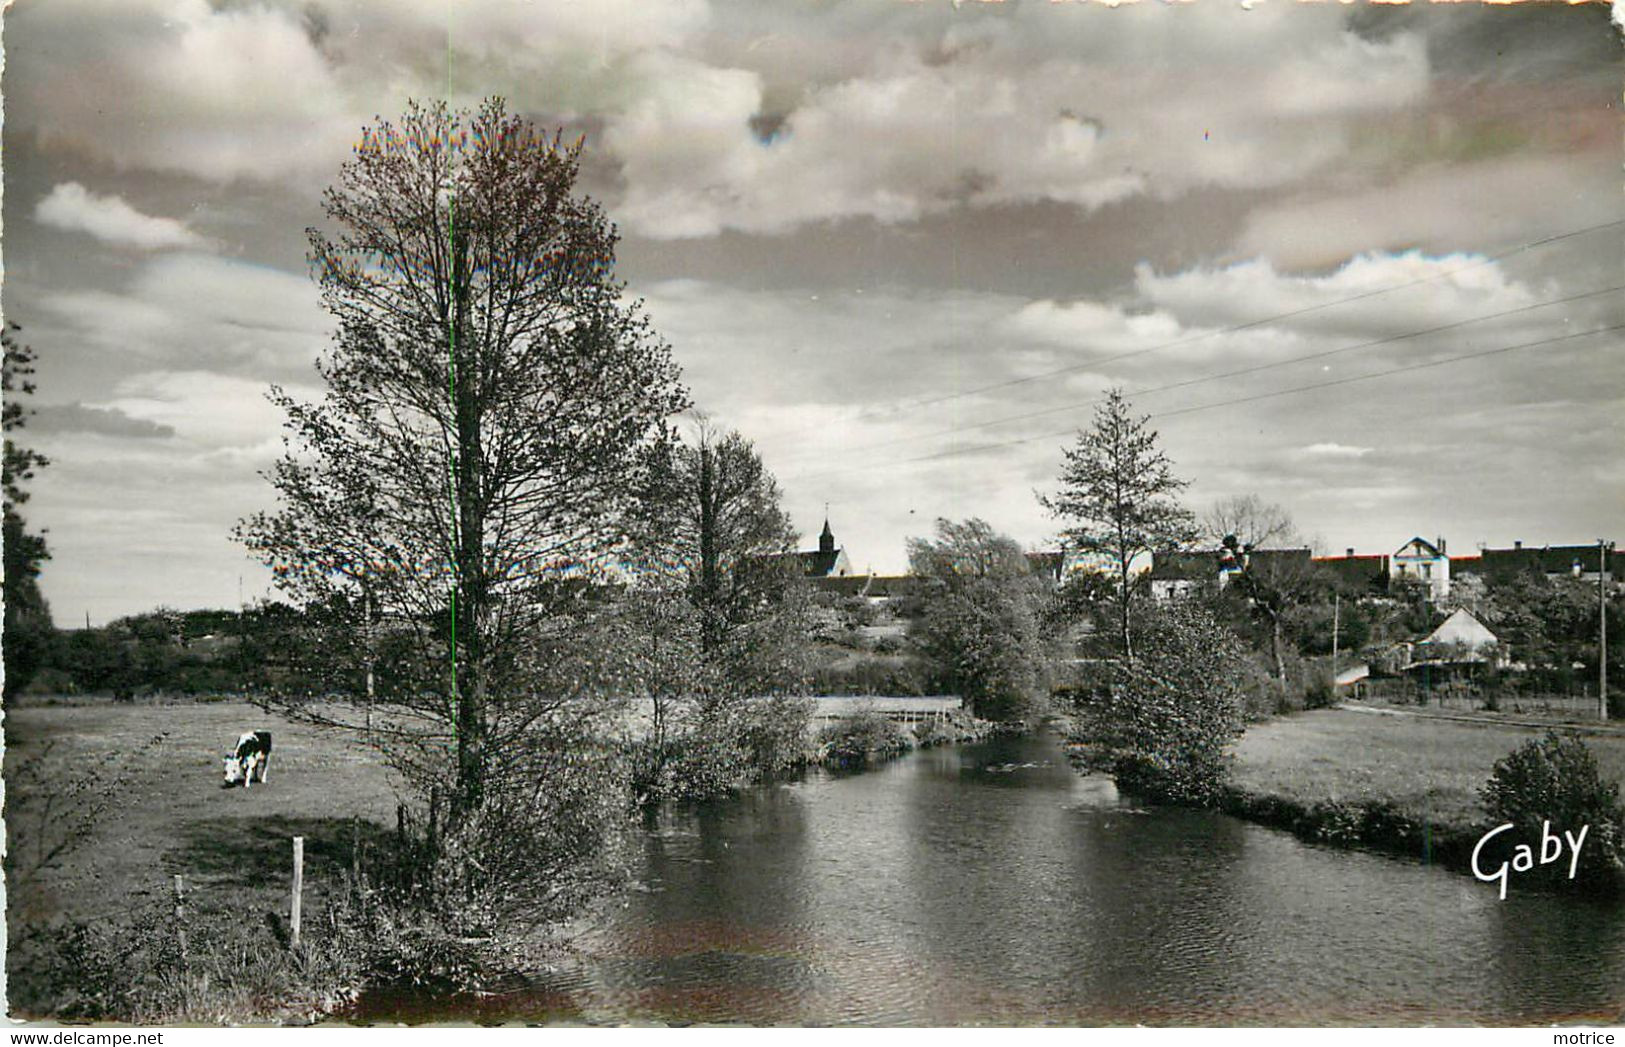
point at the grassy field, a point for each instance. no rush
(132, 794)
(1432, 769)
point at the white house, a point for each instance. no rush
(1419, 560)
(1460, 638)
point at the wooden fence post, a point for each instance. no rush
(434, 822)
(180, 915)
(298, 890)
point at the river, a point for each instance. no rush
(990, 884)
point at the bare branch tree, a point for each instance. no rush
(490, 397)
(1253, 522)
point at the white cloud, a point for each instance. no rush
(1372, 293)
(205, 409)
(1335, 450)
(878, 111)
(110, 219)
(1005, 119)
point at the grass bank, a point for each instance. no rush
(106, 803)
(1407, 785)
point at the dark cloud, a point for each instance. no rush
(106, 421)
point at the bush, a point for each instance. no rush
(887, 644)
(888, 675)
(1320, 692)
(855, 740)
(983, 641)
(1161, 724)
(774, 735)
(150, 968)
(1556, 779)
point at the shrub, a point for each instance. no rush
(935, 732)
(984, 642)
(1556, 779)
(893, 676)
(729, 744)
(1320, 692)
(1162, 722)
(774, 735)
(856, 739)
(888, 644)
(149, 968)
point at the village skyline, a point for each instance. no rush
(901, 247)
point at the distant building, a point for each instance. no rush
(1553, 561)
(826, 561)
(1178, 574)
(1460, 638)
(1418, 560)
(1424, 562)
(1357, 575)
(1459, 649)
(1181, 573)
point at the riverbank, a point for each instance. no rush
(868, 737)
(1403, 785)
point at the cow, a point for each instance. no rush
(252, 755)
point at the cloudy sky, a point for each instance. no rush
(1347, 256)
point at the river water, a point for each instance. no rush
(990, 884)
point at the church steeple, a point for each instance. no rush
(826, 540)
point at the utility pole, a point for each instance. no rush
(1336, 606)
(366, 625)
(1603, 549)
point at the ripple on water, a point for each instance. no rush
(937, 892)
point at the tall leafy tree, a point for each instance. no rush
(720, 611)
(982, 617)
(711, 525)
(490, 398)
(1118, 498)
(28, 630)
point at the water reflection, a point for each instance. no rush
(990, 884)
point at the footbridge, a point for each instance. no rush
(898, 710)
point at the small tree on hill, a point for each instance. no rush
(1117, 496)
(1253, 522)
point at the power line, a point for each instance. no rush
(980, 448)
(1255, 369)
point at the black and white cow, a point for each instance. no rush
(252, 755)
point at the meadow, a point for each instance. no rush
(1431, 769)
(106, 803)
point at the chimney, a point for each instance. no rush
(1441, 543)
(1517, 543)
(1350, 552)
